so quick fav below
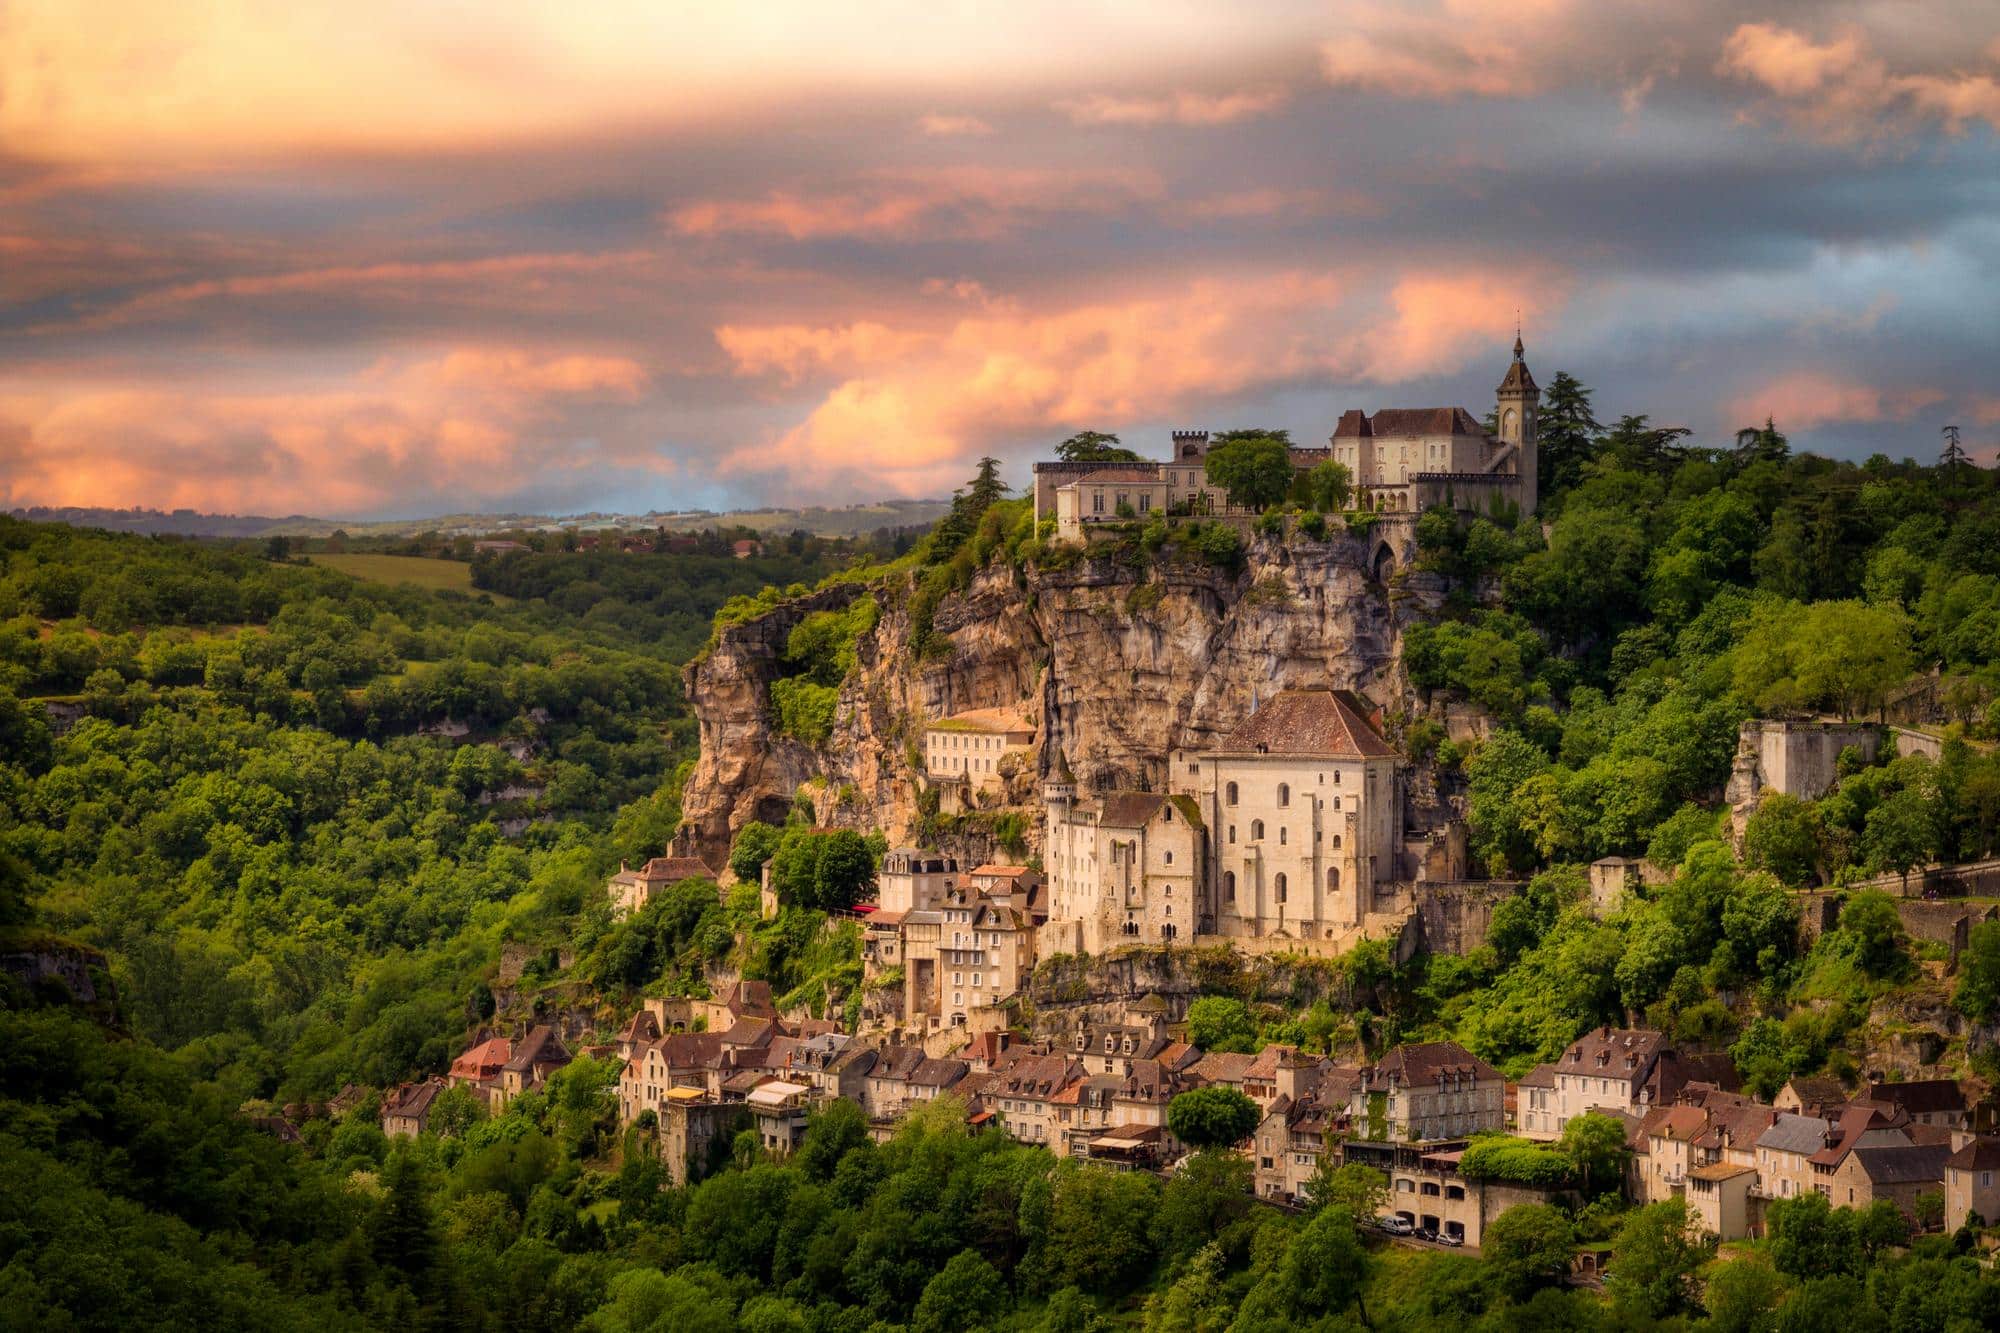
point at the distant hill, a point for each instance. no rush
(841, 521)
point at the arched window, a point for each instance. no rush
(1229, 794)
(1284, 794)
(1333, 880)
(1256, 830)
(1232, 833)
(1278, 888)
(1281, 835)
(1229, 885)
(1336, 842)
(1169, 858)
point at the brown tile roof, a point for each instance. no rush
(1402, 421)
(666, 870)
(1310, 722)
(1223, 1066)
(1814, 1093)
(1682, 1123)
(751, 997)
(1982, 1154)
(1127, 473)
(1620, 1053)
(935, 1073)
(541, 1048)
(1426, 1062)
(750, 1032)
(1928, 1096)
(898, 1063)
(1541, 1076)
(1130, 809)
(412, 1099)
(991, 721)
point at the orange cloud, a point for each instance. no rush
(472, 423)
(915, 405)
(1447, 49)
(1178, 108)
(975, 202)
(946, 127)
(1841, 90)
(1807, 399)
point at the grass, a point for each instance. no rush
(418, 570)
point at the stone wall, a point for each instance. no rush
(1454, 916)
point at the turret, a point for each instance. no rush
(1517, 409)
(1059, 790)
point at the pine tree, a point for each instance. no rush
(1566, 432)
(400, 1235)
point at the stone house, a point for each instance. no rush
(479, 1067)
(406, 1110)
(1429, 1091)
(778, 1111)
(538, 1055)
(1720, 1197)
(1972, 1185)
(963, 753)
(1534, 1105)
(1928, 1101)
(1024, 1096)
(632, 889)
(1898, 1172)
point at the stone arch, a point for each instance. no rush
(1383, 562)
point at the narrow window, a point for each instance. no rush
(1284, 794)
(1229, 794)
(1278, 888)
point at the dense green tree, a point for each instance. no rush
(1254, 468)
(1094, 446)
(1656, 1260)
(1216, 1116)
(1526, 1248)
(967, 1294)
(1221, 1023)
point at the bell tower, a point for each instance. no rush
(1519, 402)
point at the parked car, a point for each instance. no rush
(1427, 1233)
(1451, 1238)
(1395, 1226)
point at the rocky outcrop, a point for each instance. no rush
(1118, 662)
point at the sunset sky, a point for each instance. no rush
(385, 258)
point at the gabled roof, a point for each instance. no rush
(483, 1060)
(1982, 1154)
(1541, 1076)
(1804, 1134)
(1427, 1062)
(1916, 1164)
(988, 721)
(1130, 809)
(1333, 723)
(750, 1032)
(1920, 1096)
(540, 1047)
(412, 1099)
(666, 870)
(1680, 1123)
(1223, 1066)
(936, 1073)
(897, 1063)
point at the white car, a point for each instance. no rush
(1396, 1225)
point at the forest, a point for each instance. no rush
(292, 820)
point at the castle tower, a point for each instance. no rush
(1519, 402)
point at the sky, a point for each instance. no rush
(382, 259)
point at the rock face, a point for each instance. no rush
(1117, 663)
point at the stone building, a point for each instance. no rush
(1429, 1090)
(964, 753)
(1121, 869)
(632, 889)
(1972, 1184)
(1304, 817)
(1399, 459)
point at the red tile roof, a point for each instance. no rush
(1310, 722)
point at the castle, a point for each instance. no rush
(1400, 460)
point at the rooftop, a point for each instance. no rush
(1310, 722)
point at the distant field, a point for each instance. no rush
(440, 575)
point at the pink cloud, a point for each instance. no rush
(1176, 108)
(967, 201)
(471, 423)
(1805, 399)
(1842, 90)
(937, 126)
(914, 405)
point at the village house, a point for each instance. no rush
(479, 1068)
(1116, 1048)
(1972, 1185)
(1427, 1189)
(1304, 815)
(1721, 1199)
(631, 889)
(778, 1111)
(1293, 1138)
(535, 1057)
(1929, 1101)
(1024, 1096)
(964, 753)
(406, 1109)
(1898, 1172)
(1810, 1096)
(1430, 1090)
(1535, 1105)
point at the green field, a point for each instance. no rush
(422, 571)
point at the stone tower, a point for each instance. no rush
(1519, 403)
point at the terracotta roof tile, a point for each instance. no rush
(1312, 722)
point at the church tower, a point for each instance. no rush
(1519, 402)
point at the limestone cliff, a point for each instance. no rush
(1119, 663)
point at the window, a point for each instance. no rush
(1278, 888)
(1145, 501)
(1229, 794)
(1336, 842)
(1284, 794)
(1281, 835)
(1333, 880)
(1256, 830)
(1169, 857)
(1232, 833)
(1229, 885)
(1097, 502)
